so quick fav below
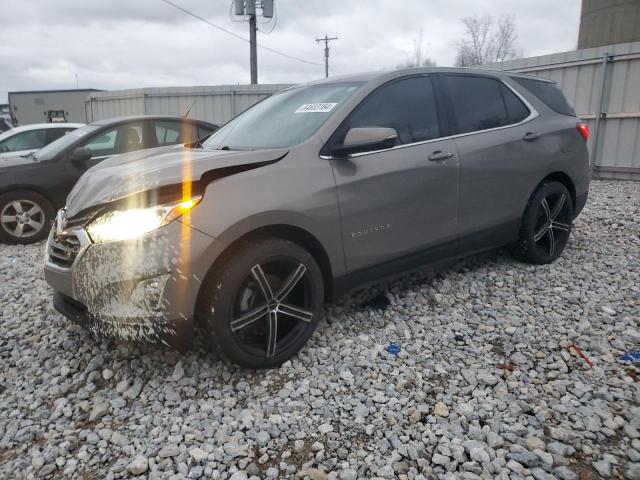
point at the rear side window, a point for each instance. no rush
(515, 108)
(481, 103)
(204, 132)
(407, 105)
(167, 132)
(172, 132)
(549, 93)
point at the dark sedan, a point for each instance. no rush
(32, 188)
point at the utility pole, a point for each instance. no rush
(248, 8)
(326, 41)
(253, 47)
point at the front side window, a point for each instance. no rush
(122, 139)
(481, 103)
(406, 105)
(102, 144)
(285, 119)
(30, 140)
(56, 133)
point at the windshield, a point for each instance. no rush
(283, 120)
(52, 150)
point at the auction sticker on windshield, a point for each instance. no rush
(315, 108)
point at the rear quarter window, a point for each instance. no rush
(547, 92)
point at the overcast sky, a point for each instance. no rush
(115, 44)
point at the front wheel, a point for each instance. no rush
(261, 306)
(25, 217)
(546, 225)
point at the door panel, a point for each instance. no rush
(497, 172)
(396, 202)
(497, 166)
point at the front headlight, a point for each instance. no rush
(135, 222)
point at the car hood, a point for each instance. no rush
(135, 172)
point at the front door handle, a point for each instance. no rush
(531, 136)
(439, 156)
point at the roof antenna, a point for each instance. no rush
(189, 109)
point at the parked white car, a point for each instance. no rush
(21, 141)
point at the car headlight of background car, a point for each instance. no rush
(131, 223)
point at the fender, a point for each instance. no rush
(284, 219)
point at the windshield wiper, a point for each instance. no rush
(31, 155)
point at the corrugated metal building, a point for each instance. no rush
(216, 104)
(603, 85)
(34, 106)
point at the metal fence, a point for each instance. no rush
(215, 104)
(603, 85)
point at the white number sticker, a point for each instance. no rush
(315, 108)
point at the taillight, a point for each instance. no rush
(583, 129)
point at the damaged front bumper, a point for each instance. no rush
(141, 290)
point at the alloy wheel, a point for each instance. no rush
(272, 307)
(553, 224)
(22, 218)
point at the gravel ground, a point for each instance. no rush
(488, 383)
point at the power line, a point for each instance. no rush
(233, 34)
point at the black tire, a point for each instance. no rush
(231, 305)
(25, 217)
(546, 225)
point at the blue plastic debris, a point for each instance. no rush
(631, 357)
(393, 348)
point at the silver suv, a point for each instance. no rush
(310, 193)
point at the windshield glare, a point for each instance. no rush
(50, 151)
(284, 119)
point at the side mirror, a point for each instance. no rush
(80, 155)
(365, 139)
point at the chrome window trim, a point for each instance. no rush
(533, 113)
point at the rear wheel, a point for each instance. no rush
(25, 217)
(262, 305)
(546, 225)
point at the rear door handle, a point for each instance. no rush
(531, 136)
(439, 156)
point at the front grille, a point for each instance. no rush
(63, 249)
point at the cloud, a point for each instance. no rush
(131, 44)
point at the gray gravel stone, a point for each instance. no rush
(565, 473)
(603, 467)
(632, 472)
(138, 465)
(489, 338)
(169, 451)
(348, 474)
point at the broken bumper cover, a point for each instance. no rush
(140, 290)
(177, 333)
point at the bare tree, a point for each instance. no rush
(416, 59)
(487, 40)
